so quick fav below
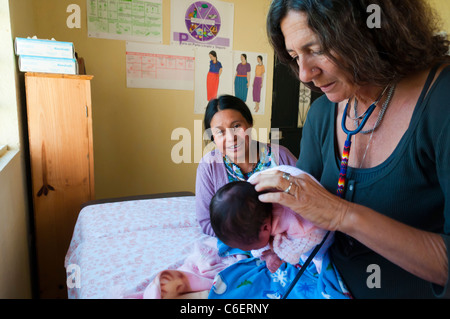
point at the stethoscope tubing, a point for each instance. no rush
(343, 170)
(360, 126)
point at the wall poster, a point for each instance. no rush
(202, 23)
(209, 85)
(239, 73)
(159, 66)
(249, 79)
(133, 20)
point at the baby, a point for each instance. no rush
(272, 232)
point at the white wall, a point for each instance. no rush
(15, 278)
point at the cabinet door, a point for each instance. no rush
(60, 139)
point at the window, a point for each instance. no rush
(9, 122)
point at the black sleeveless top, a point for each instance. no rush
(411, 186)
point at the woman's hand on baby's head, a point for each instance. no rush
(269, 183)
(266, 181)
(304, 195)
(255, 178)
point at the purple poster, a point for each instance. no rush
(202, 23)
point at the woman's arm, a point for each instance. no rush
(204, 191)
(421, 253)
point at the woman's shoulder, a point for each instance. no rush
(321, 106)
(214, 156)
(442, 83)
(282, 155)
(439, 96)
(283, 150)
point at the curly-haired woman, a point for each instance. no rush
(393, 222)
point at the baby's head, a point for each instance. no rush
(239, 218)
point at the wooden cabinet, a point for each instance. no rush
(62, 168)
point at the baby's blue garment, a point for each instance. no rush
(251, 279)
(225, 250)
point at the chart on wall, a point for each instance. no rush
(202, 23)
(159, 66)
(133, 20)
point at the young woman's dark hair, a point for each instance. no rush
(405, 43)
(213, 53)
(237, 214)
(225, 102)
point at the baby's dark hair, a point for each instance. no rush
(237, 214)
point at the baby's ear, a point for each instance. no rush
(267, 226)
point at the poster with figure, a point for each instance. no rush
(159, 66)
(202, 23)
(134, 20)
(249, 79)
(213, 75)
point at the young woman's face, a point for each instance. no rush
(304, 46)
(232, 134)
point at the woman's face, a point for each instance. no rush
(212, 57)
(243, 59)
(303, 45)
(231, 134)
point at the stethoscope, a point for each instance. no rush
(348, 141)
(366, 116)
(342, 178)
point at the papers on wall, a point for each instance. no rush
(133, 20)
(159, 66)
(202, 23)
(255, 93)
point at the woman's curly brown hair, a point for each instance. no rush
(406, 42)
